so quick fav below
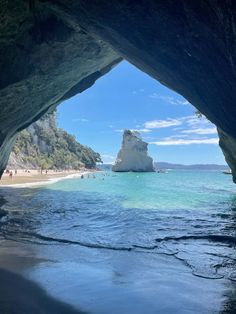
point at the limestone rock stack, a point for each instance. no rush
(133, 155)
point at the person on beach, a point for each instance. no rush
(10, 174)
(82, 176)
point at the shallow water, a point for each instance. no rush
(130, 242)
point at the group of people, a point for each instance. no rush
(88, 176)
(10, 173)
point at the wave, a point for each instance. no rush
(66, 241)
(210, 237)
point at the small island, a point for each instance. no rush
(133, 155)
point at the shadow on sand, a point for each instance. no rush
(21, 296)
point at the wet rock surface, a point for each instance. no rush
(228, 145)
(2, 213)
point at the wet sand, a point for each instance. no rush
(71, 279)
(19, 295)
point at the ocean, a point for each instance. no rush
(127, 242)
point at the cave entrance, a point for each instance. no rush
(127, 98)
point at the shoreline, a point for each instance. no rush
(49, 233)
(35, 179)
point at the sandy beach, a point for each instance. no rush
(34, 177)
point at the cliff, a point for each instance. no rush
(133, 154)
(44, 145)
(52, 50)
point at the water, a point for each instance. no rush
(163, 231)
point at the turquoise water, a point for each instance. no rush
(122, 218)
(173, 190)
(124, 210)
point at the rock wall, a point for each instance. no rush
(133, 154)
(228, 145)
(45, 58)
(52, 50)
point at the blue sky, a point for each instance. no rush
(129, 98)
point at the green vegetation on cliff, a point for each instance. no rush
(44, 145)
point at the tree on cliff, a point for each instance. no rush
(43, 145)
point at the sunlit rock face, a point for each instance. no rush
(133, 155)
(52, 50)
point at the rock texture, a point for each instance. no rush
(228, 145)
(52, 50)
(133, 155)
(45, 146)
(45, 58)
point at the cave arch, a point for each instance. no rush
(52, 50)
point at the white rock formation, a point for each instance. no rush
(133, 154)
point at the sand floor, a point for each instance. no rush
(35, 177)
